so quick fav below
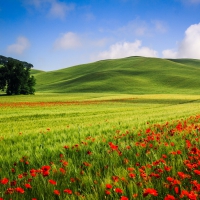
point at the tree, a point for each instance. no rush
(2, 79)
(15, 78)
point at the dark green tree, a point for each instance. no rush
(2, 78)
(15, 78)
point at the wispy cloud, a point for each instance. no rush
(139, 28)
(191, 1)
(60, 9)
(53, 8)
(126, 49)
(135, 27)
(20, 46)
(66, 41)
(89, 17)
(159, 26)
(36, 3)
(188, 47)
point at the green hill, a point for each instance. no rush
(134, 75)
(35, 71)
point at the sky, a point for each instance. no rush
(55, 34)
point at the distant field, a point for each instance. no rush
(38, 111)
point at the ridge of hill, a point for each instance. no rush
(133, 75)
(4, 60)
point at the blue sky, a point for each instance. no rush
(55, 34)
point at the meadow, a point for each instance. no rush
(99, 146)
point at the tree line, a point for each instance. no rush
(15, 77)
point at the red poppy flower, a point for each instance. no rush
(27, 185)
(176, 182)
(112, 146)
(45, 168)
(56, 192)
(107, 192)
(135, 196)
(68, 191)
(9, 191)
(108, 186)
(86, 164)
(89, 152)
(33, 171)
(4, 181)
(52, 182)
(170, 179)
(45, 173)
(13, 183)
(150, 191)
(169, 197)
(118, 190)
(63, 171)
(130, 169)
(19, 190)
(131, 175)
(182, 175)
(33, 174)
(72, 180)
(123, 198)
(192, 196)
(176, 189)
(20, 176)
(197, 172)
(65, 163)
(179, 152)
(188, 143)
(164, 156)
(13, 170)
(115, 178)
(167, 168)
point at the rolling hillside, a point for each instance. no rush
(133, 75)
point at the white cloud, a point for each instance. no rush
(60, 9)
(139, 28)
(54, 8)
(20, 46)
(189, 47)
(126, 49)
(169, 53)
(68, 40)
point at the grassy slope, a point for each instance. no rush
(136, 75)
(35, 71)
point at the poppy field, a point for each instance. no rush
(100, 147)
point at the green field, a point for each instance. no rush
(131, 124)
(38, 127)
